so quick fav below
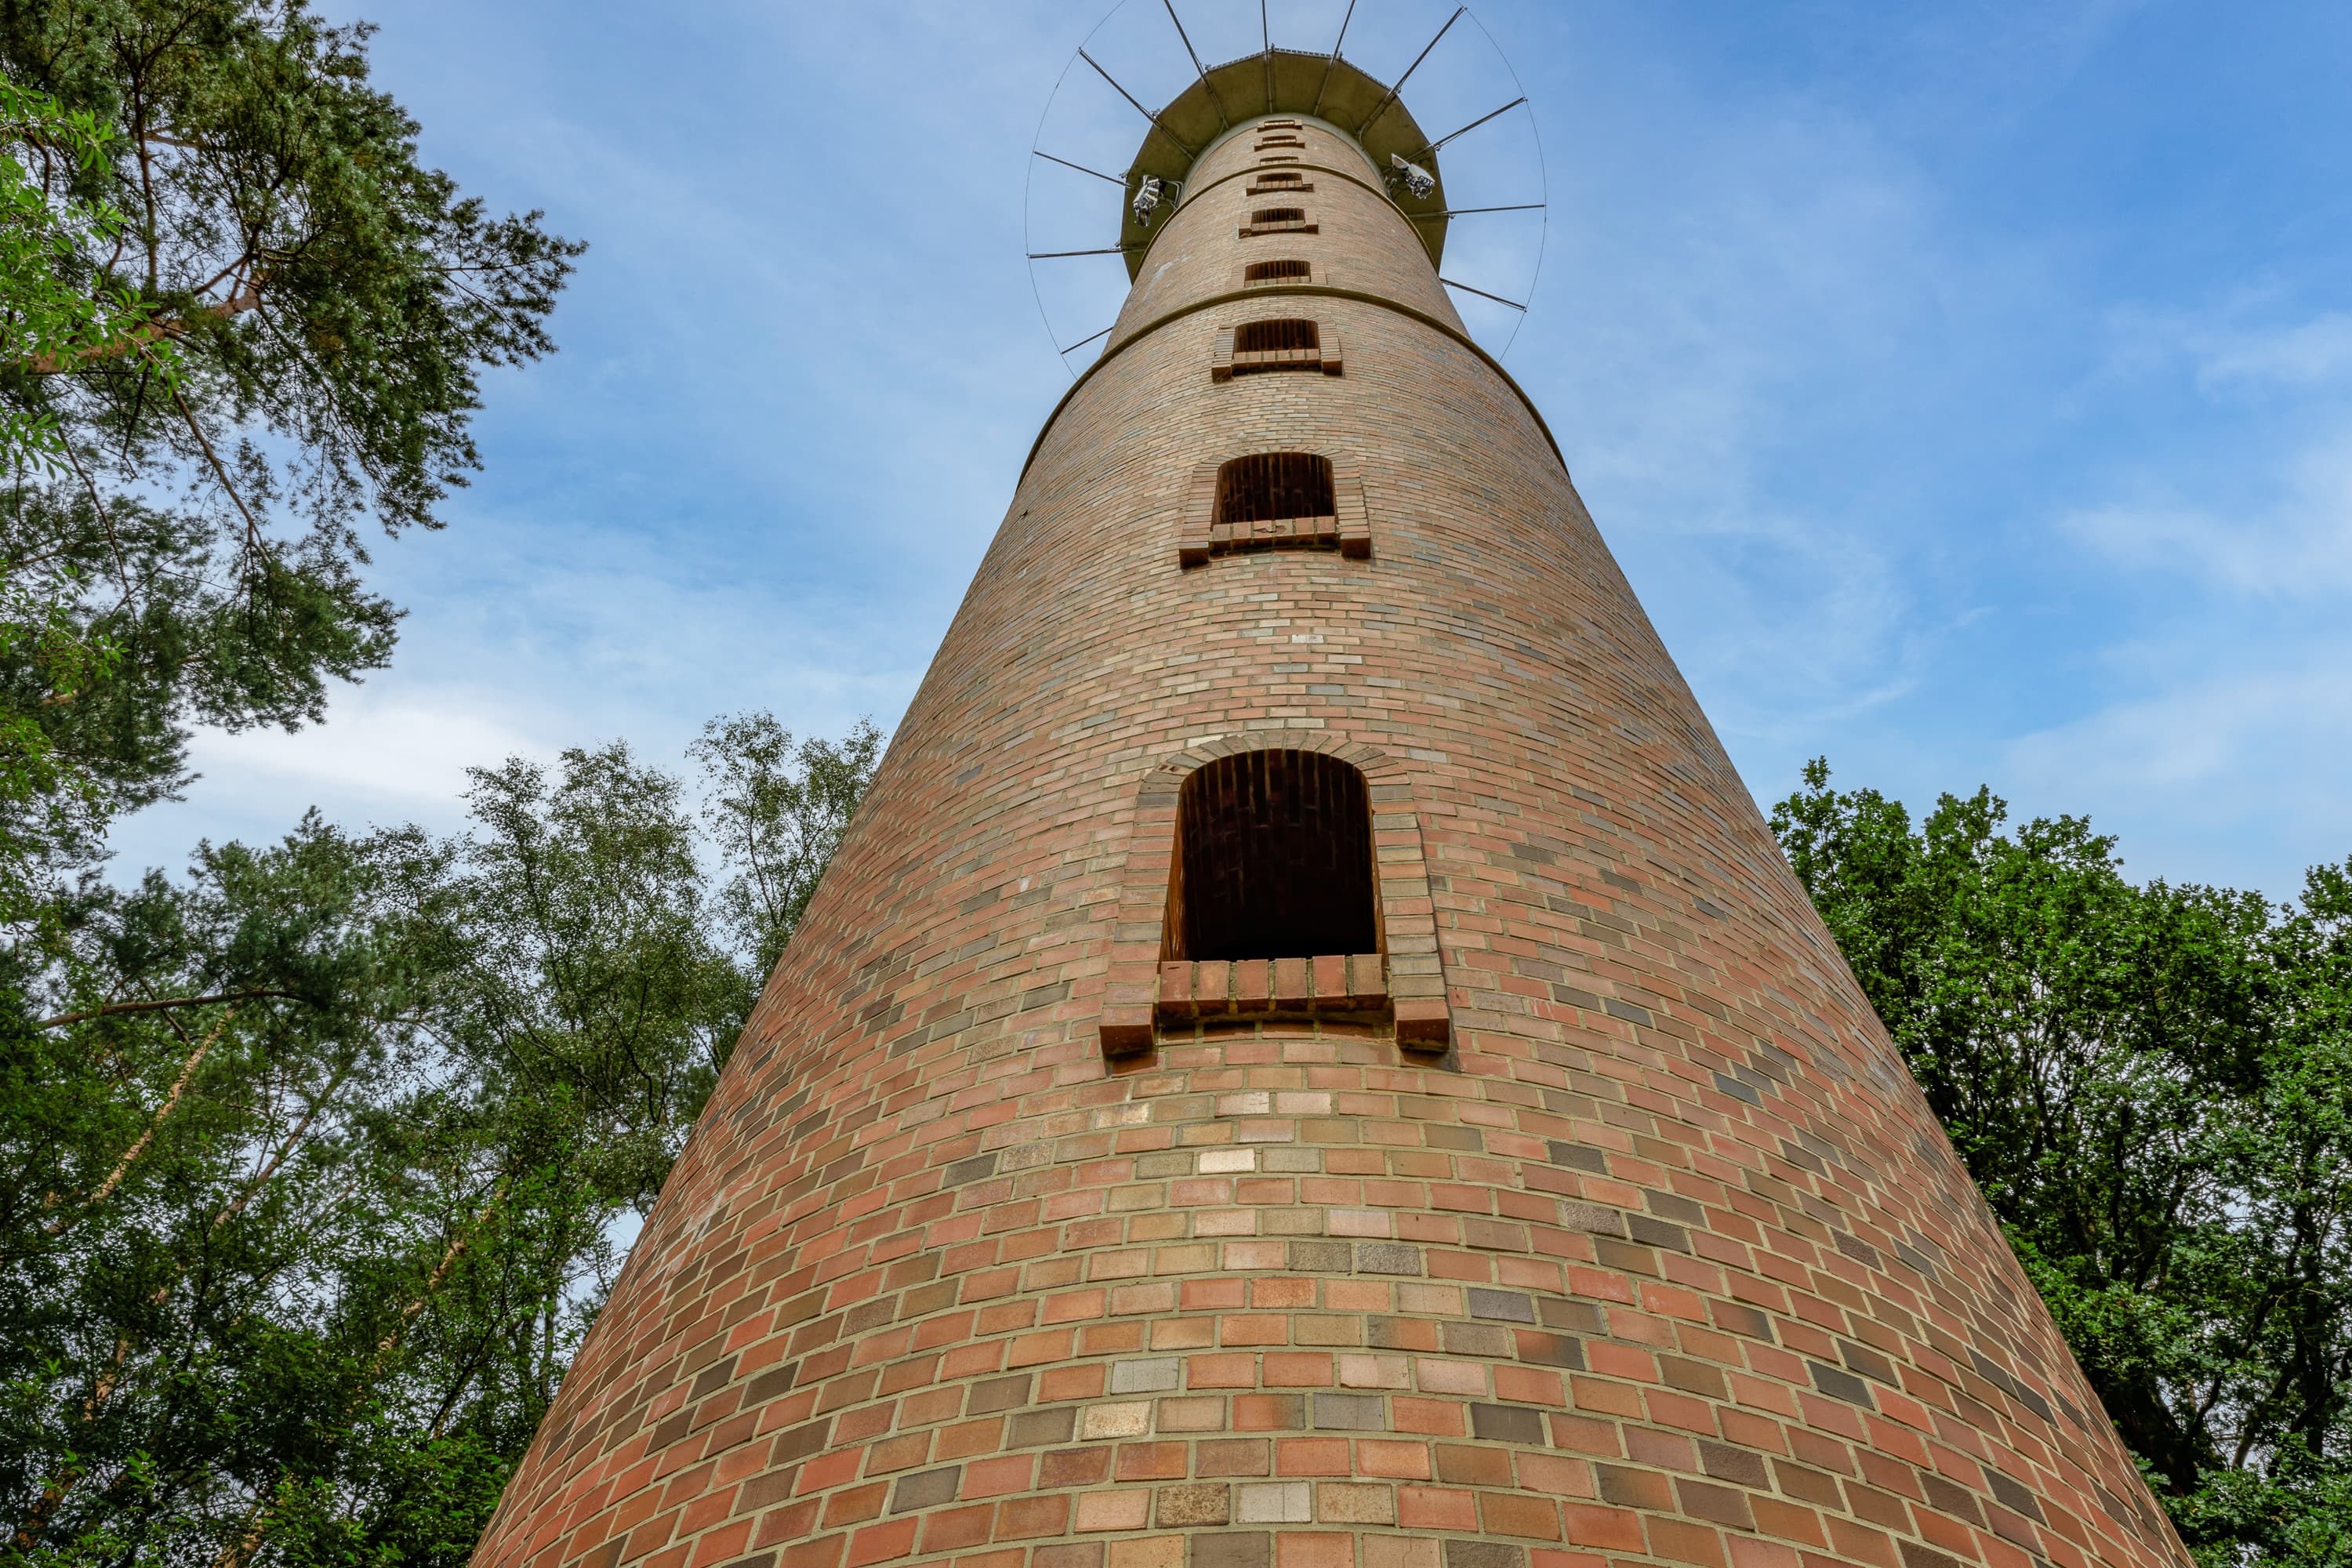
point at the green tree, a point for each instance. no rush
(313, 1163)
(48, 318)
(250, 323)
(2150, 1085)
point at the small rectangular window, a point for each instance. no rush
(1284, 271)
(1273, 487)
(1277, 220)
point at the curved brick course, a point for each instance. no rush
(1663, 1258)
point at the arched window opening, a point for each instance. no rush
(1288, 344)
(1277, 272)
(1273, 860)
(1273, 487)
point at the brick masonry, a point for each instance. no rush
(1648, 1250)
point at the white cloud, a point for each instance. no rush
(2231, 777)
(2294, 542)
(407, 752)
(2306, 353)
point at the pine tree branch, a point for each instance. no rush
(111, 1009)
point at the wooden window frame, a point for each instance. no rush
(1144, 991)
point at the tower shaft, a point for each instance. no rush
(1557, 1200)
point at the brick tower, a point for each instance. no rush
(1309, 1057)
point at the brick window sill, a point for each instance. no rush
(1284, 533)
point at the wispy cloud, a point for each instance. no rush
(2290, 536)
(2235, 776)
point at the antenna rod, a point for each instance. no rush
(1138, 107)
(1392, 97)
(1334, 58)
(1222, 122)
(1081, 168)
(1460, 211)
(1084, 342)
(1105, 251)
(1465, 288)
(1265, 41)
(1474, 125)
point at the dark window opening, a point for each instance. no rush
(1270, 486)
(1275, 337)
(1277, 214)
(1275, 859)
(1275, 272)
(1282, 177)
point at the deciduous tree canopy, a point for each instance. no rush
(2153, 1086)
(314, 1164)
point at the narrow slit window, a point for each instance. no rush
(1285, 271)
(1275, 861)
(1275, 487)
(1265, 216)
(1281, 177)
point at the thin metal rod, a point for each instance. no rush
(1105, 251)
(1265, 42)
(1334, 61)
(1084, 342)
(1392, 97)
(1081, 168)
(1138, 107)
(1462, 212)
(1465, 288)
(1198, 69)
(1474, 125)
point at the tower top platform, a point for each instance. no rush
(1278, 81)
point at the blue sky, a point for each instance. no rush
(1965, 387)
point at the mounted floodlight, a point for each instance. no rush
(1149, 195)
(1418, 181)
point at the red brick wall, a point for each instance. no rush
(1663, 1259)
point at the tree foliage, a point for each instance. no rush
(314, 1163)
(243, 322)
(2153, 1087)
